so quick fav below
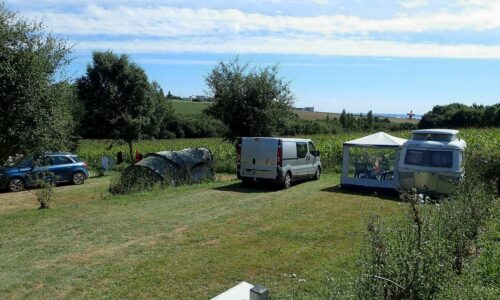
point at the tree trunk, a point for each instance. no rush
(130, 147)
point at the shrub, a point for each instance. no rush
(45, 188)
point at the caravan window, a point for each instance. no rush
(442, 159)
(415, 157)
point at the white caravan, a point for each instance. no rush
(277, 160)
(432, 161)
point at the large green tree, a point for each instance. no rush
(117, 99)
(35, 106)
(249, 101)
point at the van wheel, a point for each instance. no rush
(287, 181)
(16, 185)
(317, 175)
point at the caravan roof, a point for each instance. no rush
(436, 138)
(437, 131)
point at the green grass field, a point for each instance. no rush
(189, 242)
(188, 107)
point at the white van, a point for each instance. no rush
(278, 160)
(432, 161)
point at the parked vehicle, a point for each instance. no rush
(432, 161)
(277, 160)
(23, 172)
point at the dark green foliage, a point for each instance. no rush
(458, 115)
(35, 108)
(251, 102)
(119, 101)
(162, 113)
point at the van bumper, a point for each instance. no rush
(278, 180)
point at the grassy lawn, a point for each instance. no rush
(189, 242)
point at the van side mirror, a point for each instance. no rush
(315, 153)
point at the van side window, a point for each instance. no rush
(301, 149)
(415, 157)
(442, 159)
(311, 147)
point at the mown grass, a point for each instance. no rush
(189, 242)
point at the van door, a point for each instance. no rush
(249, 155)
(267, 159)
(311, 159)
(302, 165)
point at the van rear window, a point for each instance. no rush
(415, 157)
(442, 159)
(437, 159)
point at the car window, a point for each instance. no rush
(42, 161)
(312, 148)
(76, 159)
(415, 157)
(61, 160)
(301, 149)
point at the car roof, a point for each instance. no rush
(59, 154)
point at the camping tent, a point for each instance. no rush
(174, 167)
(371, 161)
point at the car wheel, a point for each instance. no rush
(78, 178)
(317, 175)
(16, 185)
(287, 181)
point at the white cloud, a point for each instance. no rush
(413, 3)
(278, 45)
(321, 2)
(174, 29)
(172, 21)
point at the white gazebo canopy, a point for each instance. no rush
(379, 139)
(385, 179)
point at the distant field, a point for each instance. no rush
(196, 108)
(189, 107)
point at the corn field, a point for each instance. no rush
(482, 140)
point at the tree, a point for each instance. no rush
(343, 119)
(117, 99)
(35, 109)
(250, 102)
(369, 119)
(162, 112)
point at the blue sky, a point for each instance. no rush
(380, 55)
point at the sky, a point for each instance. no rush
(359, 55)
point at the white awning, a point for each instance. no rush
(379, 139)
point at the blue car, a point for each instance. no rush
(23, 172)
